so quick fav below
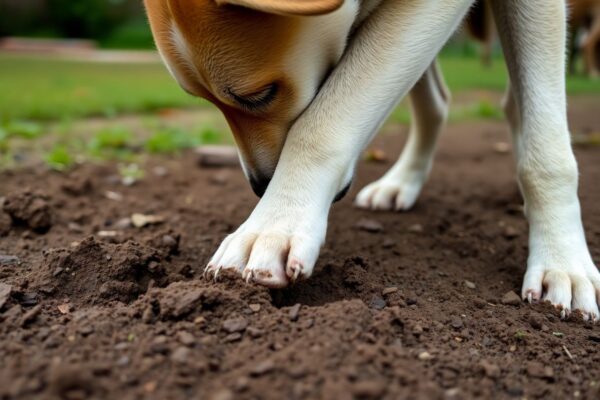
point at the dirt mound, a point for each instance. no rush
(94, 271)
(413, 305)
(29, 208)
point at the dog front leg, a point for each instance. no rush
(281, 239)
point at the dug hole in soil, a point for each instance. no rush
(412, 305)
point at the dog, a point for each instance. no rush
(305, 85)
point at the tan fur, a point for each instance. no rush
(240, 50)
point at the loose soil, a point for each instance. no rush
(414, 305)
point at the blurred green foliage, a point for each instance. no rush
(91, 19)
(59, 158)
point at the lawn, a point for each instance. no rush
(52, 89)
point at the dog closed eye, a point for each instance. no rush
(255, 101)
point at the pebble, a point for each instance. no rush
(75, 227)
(142, 220)
(180, 355)
(416, 228)
(369, 225)
(233, 337)
(424, 356)
(233, 325)
(294, 312)
(389, 290)
(511, 299)
(114, 196)
(64, 308)
(123, 223)
(5, 291)
(470, 285)
(456, 323)
(222, 394)
(186, 338)
(378, 303)
(9, 260)
(217, 156)
(255, 307)
(263, 368)
(501, 147)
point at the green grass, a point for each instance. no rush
(464, 73)
(42, 89)
(53, 89)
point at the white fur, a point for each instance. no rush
(392, 49)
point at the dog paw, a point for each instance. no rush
(568, 286)
(269, 251)
(391, 193)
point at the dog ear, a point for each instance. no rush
(288, 7)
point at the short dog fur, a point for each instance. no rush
(305, 85)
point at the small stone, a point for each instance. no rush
(233, 325)
(114, 196)
(186, 338)
(456, 323)
(470, 285)
(108, 234)
(389, 290)
(181, 355)
(170, 242)
(64, 308)
(369, 225)
(511, 299)
(75, 227)
(294, 312)
(501, 147)
(30, 299)
(425, 356)
(417, 330)
(142, 220)
(233, 337)
(416, 228)
(5, 291)
(217, 156)
(263, 368)
(255, 307)
(123, 223)
(377, 303)
(6, 260)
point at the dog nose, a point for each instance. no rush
(259, 184)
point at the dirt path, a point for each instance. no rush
(414, 310)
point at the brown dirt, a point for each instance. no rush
(416, 308)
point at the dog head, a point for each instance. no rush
(261, 62)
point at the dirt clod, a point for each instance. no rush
(29, 208)
(511, 299)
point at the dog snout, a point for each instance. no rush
(259, 184)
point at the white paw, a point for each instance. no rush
(569, 283)
(392, 192)
(272, 248)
